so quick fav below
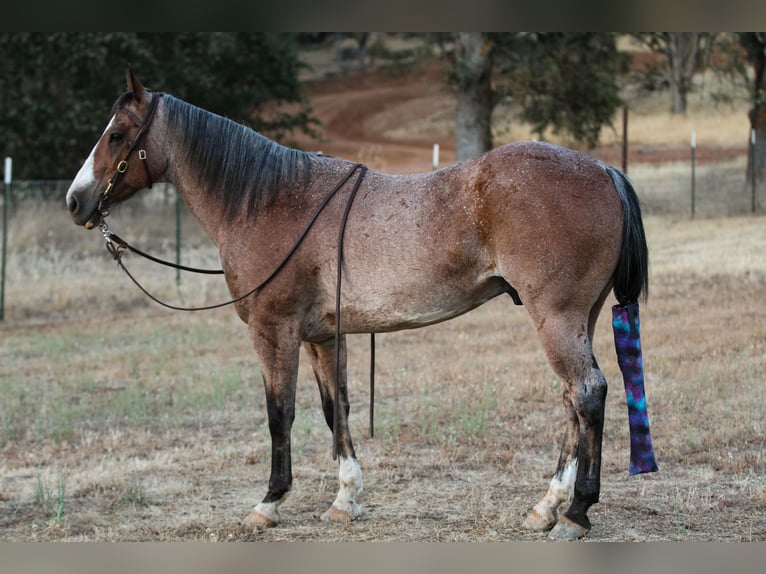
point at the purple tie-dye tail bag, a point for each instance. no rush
(627, 342)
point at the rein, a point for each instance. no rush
(117, 246)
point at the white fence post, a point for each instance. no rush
(7, 177)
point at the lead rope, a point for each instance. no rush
(117, 246)
(121, 243)
(338, 378)
(372, 385)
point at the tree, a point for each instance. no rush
(565, 82)
(754, 44)
(55, 88)
(686, 52)
(472, 75)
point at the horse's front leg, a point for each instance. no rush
(277, 348)
(322, 357)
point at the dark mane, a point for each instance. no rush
(244, 167)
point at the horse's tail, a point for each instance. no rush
(631, 278)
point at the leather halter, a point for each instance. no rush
(122, 166)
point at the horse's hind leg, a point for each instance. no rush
(545, 513)
(567, 342)
(322, 356)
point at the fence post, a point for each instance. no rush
(178, 236)
(694, 165)
(435, 163)
(625, 140)
(752, 170)
(6, 204)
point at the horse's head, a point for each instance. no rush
(112, 172)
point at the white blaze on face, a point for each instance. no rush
(86, 177)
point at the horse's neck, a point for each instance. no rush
(208, 206)
(202, 204)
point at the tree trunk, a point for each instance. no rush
(756, 161)
(683, 52)
(475, 99)
(758, 156)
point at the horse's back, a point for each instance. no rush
(542, 218)
(544, 175)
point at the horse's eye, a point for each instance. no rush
(116, 137)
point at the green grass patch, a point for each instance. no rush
(50, 498)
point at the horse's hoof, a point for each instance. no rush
(257, 521)
(539, 522)
(565, 529)
(335, 514)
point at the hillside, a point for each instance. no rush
(391, 118)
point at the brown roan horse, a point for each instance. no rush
(550, 226)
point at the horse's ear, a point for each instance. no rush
(134, 85)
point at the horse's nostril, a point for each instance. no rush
(74, 205)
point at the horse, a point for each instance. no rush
(554, 228)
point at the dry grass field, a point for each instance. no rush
(120, 421)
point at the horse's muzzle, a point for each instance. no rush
(84, 210)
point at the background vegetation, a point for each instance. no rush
(53, 85)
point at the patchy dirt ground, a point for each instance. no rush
(122, 422)
(163, 446)
(391, 122)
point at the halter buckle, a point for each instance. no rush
(142, 154)
(122, 166)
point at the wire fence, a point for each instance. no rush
(685, 189)
(41, 244)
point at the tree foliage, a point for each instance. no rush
(686, 53)
(754, 44)
(565, 82)
(56, 88)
